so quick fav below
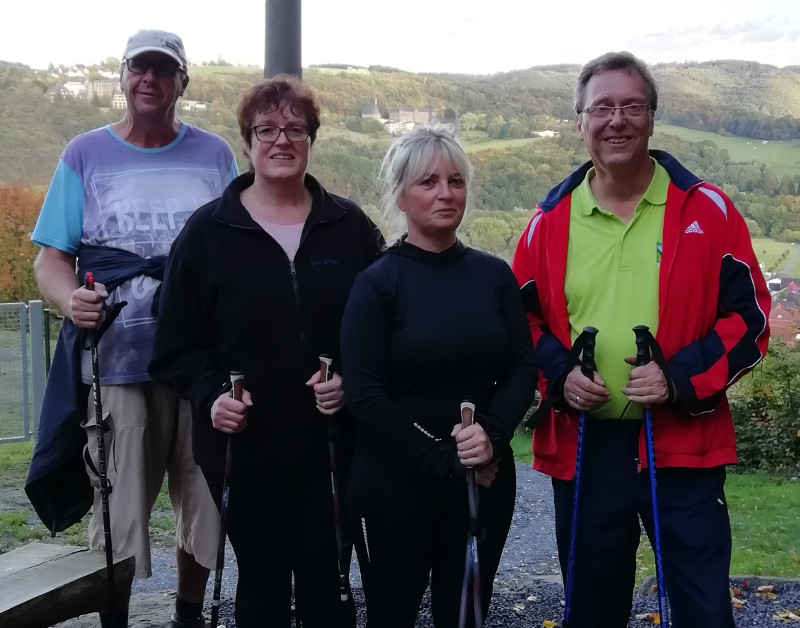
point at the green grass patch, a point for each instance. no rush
(475, 146)
(763, 511)
(783, 157)
(770, 251)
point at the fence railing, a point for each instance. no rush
(25, 342)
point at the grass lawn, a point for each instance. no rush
(783, 157)
(763, 511)
(769, 251)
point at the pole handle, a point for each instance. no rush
(467, 413)
(588, 365)
(642, 346)
(325, 367)
(237, 385)
(88, 282)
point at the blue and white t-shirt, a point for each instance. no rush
(108, 192)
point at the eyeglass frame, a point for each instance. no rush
(151, 65)
(281, 129)
(625, 110)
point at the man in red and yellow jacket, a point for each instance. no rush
(633, 238)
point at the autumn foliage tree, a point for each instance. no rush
(19, 207)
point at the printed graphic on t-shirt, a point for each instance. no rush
(140, 211)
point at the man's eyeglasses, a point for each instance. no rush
(635, 110)
(162, 67)
(271, 133)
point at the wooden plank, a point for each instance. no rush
(33, 554)
(41, 584)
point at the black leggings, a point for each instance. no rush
(280, 520)
(407, 528)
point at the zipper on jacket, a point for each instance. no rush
(638, 464)
(296, 289)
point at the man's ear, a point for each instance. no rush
(184, 83)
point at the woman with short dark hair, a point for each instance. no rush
(256, 282)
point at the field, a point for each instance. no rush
(763, 511)
(769, 251)
(783, 157)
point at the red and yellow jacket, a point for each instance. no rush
(712, 319)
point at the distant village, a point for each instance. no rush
(403, 119)
(77, 84)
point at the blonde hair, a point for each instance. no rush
(409, 157)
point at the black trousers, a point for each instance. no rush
(408, 528)
(280, 521)
(614, 496)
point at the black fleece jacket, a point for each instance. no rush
(232, 300)
(423, 332)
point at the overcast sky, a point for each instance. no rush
(470, 36)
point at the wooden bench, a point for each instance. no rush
(42, 584)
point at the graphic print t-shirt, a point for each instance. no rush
(108, 192)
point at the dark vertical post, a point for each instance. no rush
(282, 53)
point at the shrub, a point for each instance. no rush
(766, 410)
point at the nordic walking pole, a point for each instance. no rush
(237, 387)
(588, 367)
(105, 486)
(472, 573)
(643, 357)
(326, 372)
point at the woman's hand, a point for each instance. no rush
(485, 475)
(473, 445)
(229, 415)
(329, 395)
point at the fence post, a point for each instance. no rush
(38, 340)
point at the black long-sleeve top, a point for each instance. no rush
(423, 332)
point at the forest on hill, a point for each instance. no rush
(495, 115)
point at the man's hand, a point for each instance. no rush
(329, 395)
(85, 308)
(647, 384)
(473, 445)
(583, 393)
(229, 415)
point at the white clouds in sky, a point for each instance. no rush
(472, 36)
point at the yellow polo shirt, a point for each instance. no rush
(611, 281)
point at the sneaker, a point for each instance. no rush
(197, 622)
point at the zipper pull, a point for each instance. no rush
(638, 465)
(291, 267)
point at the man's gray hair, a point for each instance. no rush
(615, 61)
(410, 156)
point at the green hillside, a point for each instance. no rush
(783, 157)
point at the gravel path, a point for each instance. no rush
(528, 587)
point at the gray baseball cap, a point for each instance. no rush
(156, 41)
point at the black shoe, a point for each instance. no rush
(197, 622)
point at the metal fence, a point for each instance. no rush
(25, 341)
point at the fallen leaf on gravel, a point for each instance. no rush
(737, 603)
(532, 598)
(786, 616)
(519, 607)
(549, 623)
(653, 618)
(736, 592)
(766, 588)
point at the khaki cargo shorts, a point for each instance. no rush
(150, 435)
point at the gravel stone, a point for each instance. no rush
(527, 592)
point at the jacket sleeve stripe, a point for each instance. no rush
(705, 368)
(717, 198)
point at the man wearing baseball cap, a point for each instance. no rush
(119, 197)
